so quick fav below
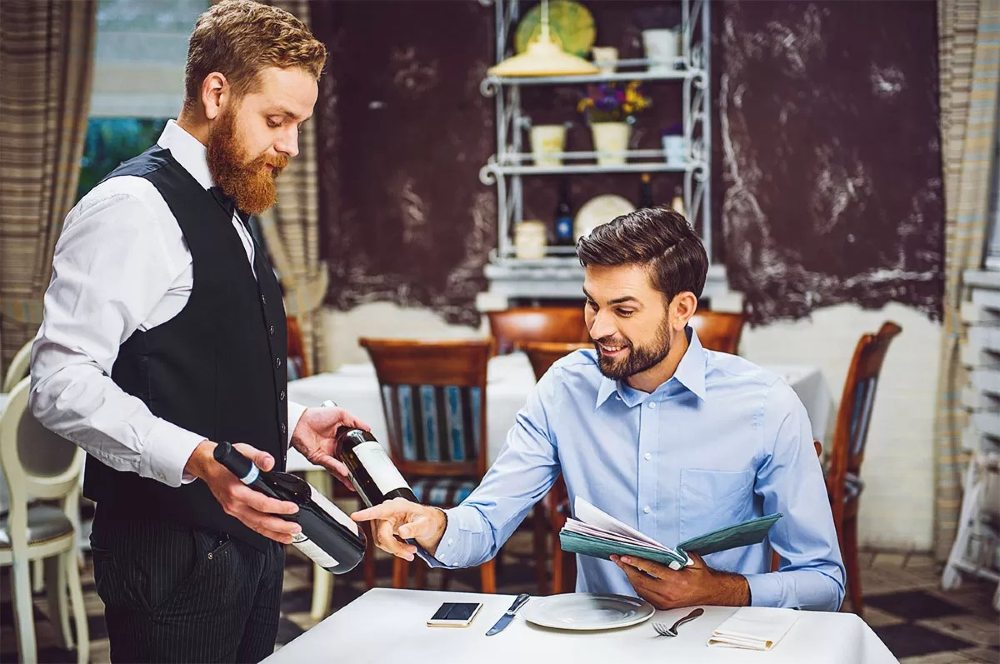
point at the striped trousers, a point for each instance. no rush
(176, 594)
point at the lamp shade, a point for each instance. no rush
(544, 58)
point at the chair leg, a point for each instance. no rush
(57, 592)
(37, 576)
(850, 553)
(322, 593)
(79, 609)
(557, 571)
(488, 576)
(400, 572)
(539, 540)
(368, 566)
(23, 611)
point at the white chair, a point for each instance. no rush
(18, 368)
(39, 465)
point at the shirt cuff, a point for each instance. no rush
(452, 550)
(765, 589)
(295, 411)
(166, 451)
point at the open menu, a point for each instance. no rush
(595, 533)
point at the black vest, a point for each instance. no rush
(217, 368)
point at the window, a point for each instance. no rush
(139, 57)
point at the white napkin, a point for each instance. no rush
(754, 628)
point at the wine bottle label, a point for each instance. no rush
(327, 506)
(252, 476)
(316, 554)
(380, 468)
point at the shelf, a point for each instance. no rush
(521, 163)
(676, 75)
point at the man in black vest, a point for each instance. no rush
(164, 331)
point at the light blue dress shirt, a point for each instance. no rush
(721, 442)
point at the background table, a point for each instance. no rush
(509, 379)
(386, 625)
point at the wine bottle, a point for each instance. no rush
(564, 217)
(329, 537)
(373, 474)
(677, 204)
(645, 192)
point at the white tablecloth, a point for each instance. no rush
(509, 379)
(386, 625)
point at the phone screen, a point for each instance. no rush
(455, 613)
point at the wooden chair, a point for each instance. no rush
(551, 512)
(843, 473)
(434, 398)
(512, 327)
(718, 330)
(39, 465)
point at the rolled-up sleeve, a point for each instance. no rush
(790, 481)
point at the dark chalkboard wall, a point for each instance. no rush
(826, 166)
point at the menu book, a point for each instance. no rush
(595, 533)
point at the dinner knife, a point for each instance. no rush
(507, 617)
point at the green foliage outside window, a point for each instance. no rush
(110, 141)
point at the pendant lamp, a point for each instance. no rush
(543, 57)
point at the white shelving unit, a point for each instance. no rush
(559, 275)
(976, 550)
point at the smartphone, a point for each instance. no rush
(455, 614)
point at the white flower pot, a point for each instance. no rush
(610, 142)
(662, 47)
(547, 141)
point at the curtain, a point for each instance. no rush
(46, 65)
(291, 231)
(969, 46)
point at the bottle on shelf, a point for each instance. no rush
(564, 216)
(645, 191)
(677, 203)
(329, 537)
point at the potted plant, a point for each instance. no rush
(610, 111)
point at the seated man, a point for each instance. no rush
(653, 429)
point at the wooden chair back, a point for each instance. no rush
(718, 330)
(513, 327)
(854, 416)
(434, 398)
(543, 354)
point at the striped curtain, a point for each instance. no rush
(46, 63)
(291, 231)
(969, 36)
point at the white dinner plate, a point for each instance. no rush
(587, 611)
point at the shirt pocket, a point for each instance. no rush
(714, 499)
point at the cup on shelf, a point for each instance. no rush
(663, 47)
(606, 58)
(547, 142)
(530, 240)
(674, 149)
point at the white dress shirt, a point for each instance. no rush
(121, 264)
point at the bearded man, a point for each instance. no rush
(652, 428)
(164, 331)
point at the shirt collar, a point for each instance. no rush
(188, 151)
(690, 373)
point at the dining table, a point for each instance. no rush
(390, 625)
(509, 380)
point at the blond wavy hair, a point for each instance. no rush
(239, 38)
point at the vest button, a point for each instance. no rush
(281, 395)
(263, 300)
(284, 429)
(270, 330)
(277, 363)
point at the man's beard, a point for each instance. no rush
(637, 358)
(249, 182)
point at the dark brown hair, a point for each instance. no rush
(239, 38)
(657, 238)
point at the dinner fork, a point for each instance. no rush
(663, 630)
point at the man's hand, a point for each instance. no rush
(665, 588)
(253, 509)
(408, 520)
(314, 438)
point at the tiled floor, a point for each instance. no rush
(904, 604)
